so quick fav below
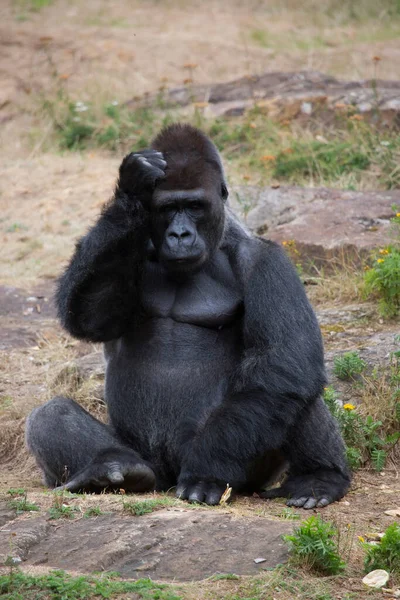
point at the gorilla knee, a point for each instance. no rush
(43, 417)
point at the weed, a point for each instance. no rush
(224, 577)
(348, 365)
(289, 513)
(58, 584)
(143, 507)
(313, 545)
(386, 554)
(365, 438)
(61, 510)
(5, 402)
(383, 279)
(93, 511)
(20, 501)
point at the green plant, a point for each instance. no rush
(289, 513)
(386, 554)
(143, 507)
(58, 584)
(364, 437)
(383, 279)
(348, 365)
(20, 501)
(313, 544)
(61, 510)
(93, 511)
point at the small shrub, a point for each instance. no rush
(60, 510)
(385, 555)
(313, 545)
(364, 437)
(348, 365)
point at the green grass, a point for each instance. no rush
(314, 544)
(144, 507)
(93, 511)
(58, 585)
(19, 501)
(385, 555)
(351, 154)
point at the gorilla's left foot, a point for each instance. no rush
(200, 491)
(313, 490)
(113, 469)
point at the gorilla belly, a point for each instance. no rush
(165, 377)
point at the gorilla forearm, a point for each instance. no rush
(96, 294)
(280, 375)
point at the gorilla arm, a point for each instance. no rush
(97, 294)
(282, 370)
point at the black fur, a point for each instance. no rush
(214, 356)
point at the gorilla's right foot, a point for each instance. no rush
(113, 469)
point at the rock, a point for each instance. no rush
(18, 537)
(376, 579)
(324, 223)
(90, 366)
(6, 513)
(393, 513)
(170, 544)
(302, 95)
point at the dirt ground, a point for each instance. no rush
(47, 200)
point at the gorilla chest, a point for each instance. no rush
(209, 298)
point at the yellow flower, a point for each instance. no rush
(397, 214)
(348, 406)
(360, 537)
(384, 251)
(380, 260)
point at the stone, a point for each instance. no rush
(171, 544)
(324, 223)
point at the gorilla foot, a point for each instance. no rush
(200, 491)
(113, 469)
(314, 490)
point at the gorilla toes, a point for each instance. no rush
(202, 492)
(309, 502)
(313, 490)
(119, 472)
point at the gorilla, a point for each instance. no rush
(214, 358)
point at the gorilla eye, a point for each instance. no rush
(196, 206)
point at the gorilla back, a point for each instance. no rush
(214, 356)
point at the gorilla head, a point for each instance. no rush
(187, 206)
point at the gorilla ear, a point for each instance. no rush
(224, 191)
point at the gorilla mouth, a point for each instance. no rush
(188, 262)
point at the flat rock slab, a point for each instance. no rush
(301, 94)
(172, 544)
(323, 222)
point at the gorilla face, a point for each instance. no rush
(186, 226)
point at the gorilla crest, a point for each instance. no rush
(214, 356)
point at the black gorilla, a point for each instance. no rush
(214, 356)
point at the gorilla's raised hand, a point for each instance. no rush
(139, 172)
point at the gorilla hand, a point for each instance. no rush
(115, 469)
(139, 172)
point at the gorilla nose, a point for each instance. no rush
(183, 236)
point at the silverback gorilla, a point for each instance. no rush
(214, 356)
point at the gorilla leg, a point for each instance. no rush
(73, 448)
(318, 473)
